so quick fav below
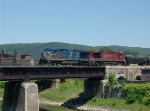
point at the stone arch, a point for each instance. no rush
(120, 77)
(137, 77)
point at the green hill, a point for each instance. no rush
(35, 49)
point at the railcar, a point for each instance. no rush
(140, 60)
(147, 60)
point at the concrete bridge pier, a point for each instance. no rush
(20, 96)
(94, 87)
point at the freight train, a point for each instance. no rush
(56, 57)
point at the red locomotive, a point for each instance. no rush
(103, 58)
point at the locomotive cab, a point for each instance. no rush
(121, 56)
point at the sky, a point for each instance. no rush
(84, 22)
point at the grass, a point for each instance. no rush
(69, 89)
(56, 108)
(0, 105)
(118, 104)
(1, 92)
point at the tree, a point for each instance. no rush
(106, 49)
(132, 52)
(111, 80)
(148, 54)
(111, 83)
(92, 49)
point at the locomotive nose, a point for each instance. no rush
(47, 55)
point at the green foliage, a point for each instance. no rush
(106, 49)
(146, 99)
(46, 107)
(122, 83)
(67, 90)
(132, 52)
(117, 104)
(111, 80)
(2, 83)
(137, 93)
(92, 49)
(94, 99)
(114, 104)
(148, 54)
(131, 96)
(76, 82)
(33, 81)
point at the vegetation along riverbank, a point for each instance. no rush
(70, 94)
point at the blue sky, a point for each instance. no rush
(86, 22)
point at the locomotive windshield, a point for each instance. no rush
(84, 55)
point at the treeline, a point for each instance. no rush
(35, 49)
(126, 52)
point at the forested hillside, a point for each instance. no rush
(35, 49)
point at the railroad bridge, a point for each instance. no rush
(19, 94)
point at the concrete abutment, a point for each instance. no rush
(94, 88)
(20, 96)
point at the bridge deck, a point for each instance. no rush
(21, 73)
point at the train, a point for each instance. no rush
(56, 57)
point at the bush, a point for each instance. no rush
(2, 84)
(137, 93)
(111, 80)
(146, 99)
(76, 82)
(131, 96)
(94, 99)
(114, 104)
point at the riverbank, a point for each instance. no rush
(74, 106)
(70, 105)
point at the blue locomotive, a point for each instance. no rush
(54, 56)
